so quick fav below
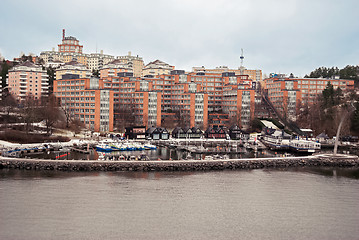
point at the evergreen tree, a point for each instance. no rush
(51, 74)
(355, 120)
(4, 71)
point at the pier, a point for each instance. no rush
(325, 160)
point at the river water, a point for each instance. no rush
(305, 203)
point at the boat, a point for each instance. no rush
(102, 147)
(208, 158)
(303, 146)
(277, 140)
(149, 146)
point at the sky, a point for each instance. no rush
(277, 36)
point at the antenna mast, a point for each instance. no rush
(241, 57)
(241, 68)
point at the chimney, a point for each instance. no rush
(129, 53)
(101, 52)
(63, 34)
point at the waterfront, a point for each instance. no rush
(300, 203)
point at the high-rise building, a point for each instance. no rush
(86, 100)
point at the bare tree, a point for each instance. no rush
(49, 112)
(28, 112)
(8, 103)
(126, 116)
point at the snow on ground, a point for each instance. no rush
(269, 124)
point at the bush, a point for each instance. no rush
(16, 136)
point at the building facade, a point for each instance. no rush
(157, 67)
(134, 62)
(73, 68)
(254, 75)
(86, 100)
(28, 79)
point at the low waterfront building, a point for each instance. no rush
(157, 133)
(216, 133)
(187, 133)
(136, 132)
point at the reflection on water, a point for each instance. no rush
(298, 203)
(352, 173)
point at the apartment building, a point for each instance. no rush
(54, 56)
(134, 62)
(134, 96)
(180, 97)
(73, 67)
(157, 67)
(95, 61)
(28, 79)
(86, 100)
(311, 87)
(285, 96)
(255, 75)
(239, 104)
(114, 67)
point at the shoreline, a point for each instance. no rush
(320, 160)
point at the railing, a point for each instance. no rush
(292, 126)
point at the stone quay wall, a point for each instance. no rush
(179, 165)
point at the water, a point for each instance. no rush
(306, 203)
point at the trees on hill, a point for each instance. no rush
(326, 112)
(349, 72)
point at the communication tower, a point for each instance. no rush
(241, 68)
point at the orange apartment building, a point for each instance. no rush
(179, 96)
(28, 79)
(223, 90)
(83, 98)
(201, 100)
(287, 94)
(154, 99)
(134, 94)
(311, 87)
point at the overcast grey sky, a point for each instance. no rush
(286, 36)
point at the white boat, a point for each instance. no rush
(149, 146)
(278, 140)
(301, 145)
